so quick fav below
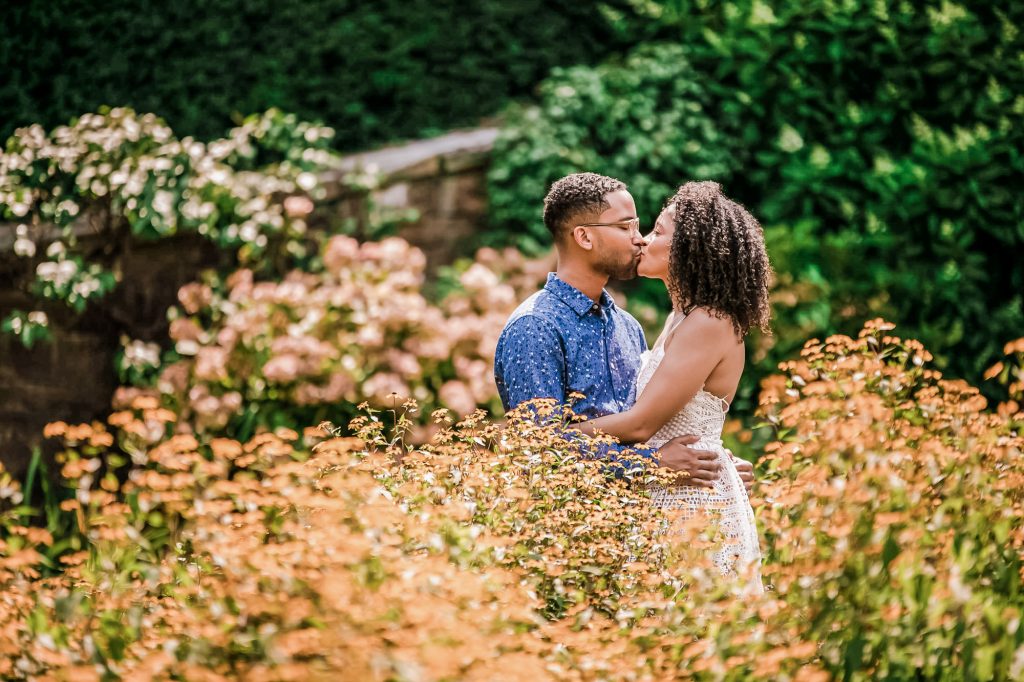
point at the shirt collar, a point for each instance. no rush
(578, 302)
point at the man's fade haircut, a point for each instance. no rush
(577, 196)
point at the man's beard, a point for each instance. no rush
(620, 270)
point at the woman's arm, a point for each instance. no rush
(691, 355)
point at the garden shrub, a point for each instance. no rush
(355, 325)
(250, 194)
(646, 121)
(297, 325)
(887, 511)
(374, 71)
(879, 143)
(892, 523)
(1010, 373)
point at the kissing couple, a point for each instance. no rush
(670, 401)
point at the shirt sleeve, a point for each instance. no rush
(619, 460)
(530, 363)
(641, 336)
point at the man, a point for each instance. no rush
(570, 337)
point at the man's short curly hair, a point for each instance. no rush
(717, 259)
(575, 198)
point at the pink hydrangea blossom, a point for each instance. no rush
(282, 369)
(211, 363)
(457, 396)
(194, 297)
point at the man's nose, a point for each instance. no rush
(638, 239)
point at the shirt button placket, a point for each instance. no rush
(606, 352)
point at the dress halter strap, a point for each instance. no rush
(670, 326)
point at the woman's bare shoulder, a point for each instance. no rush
(706, 324)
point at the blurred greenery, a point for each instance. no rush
(645, 120)
(375, 71)
(879, 142)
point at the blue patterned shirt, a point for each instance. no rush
(559, 341)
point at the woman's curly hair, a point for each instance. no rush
(717, 259)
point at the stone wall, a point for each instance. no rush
(72, 378)
(442, 179)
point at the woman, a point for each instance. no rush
(709, 251)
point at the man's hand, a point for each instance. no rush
(701, 465)
(746, 471)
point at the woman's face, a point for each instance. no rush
(654, 261)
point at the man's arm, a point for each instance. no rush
(530, 362)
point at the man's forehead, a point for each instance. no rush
(620, 204)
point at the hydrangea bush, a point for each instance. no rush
(248, 193)
(887, 506)
(354, 326)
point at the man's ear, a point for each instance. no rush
(581, 236)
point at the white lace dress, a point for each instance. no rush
(727, 504)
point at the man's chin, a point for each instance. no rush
(625, 275)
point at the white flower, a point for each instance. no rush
(134, 184)
(46, 271)
(25, 248)
(220, 148)
(10, 492)
(249, 231)
(142, 354)
(187, 347)
(68, 206)
(66, 269)
(86, 287)
(163, 202)
(960, 590)
(218, 176)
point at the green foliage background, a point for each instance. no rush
(376, 71)
(880, 143)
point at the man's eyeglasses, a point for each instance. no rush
(631, 225)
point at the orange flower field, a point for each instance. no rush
(889, 504)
